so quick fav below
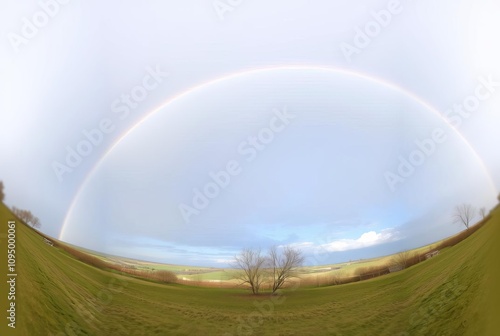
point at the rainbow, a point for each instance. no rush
(243, 73)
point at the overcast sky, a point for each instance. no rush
(184, 132)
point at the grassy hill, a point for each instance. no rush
(450, 294)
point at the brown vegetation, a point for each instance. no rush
(282, 266)
(362, 273)
(2, 194)
(155, 275)
(82, 256)
(405, 259)
(483, 212)
(464, 214)
(27, 217)
(462, 235)
(276, 269)
(251, 263)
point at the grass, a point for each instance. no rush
(446, 295)
(225, 277)
(314, 275)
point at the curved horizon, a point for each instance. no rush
(280, 71)
(264, 69)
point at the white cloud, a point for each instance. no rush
(367, 239)
(224, 261)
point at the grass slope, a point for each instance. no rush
(446, 295)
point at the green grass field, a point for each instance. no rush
(449, 294)
(314, 274)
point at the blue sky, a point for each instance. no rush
(319, 183)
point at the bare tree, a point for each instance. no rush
(35, 223)
(27, 217)
(2, 194)
(251, 266)
(282, 266)
(483, 212)
(464, 214)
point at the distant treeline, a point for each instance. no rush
(403, 259)
(155, 275)
(409, 259)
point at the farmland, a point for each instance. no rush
(450, 294)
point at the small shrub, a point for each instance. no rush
(84, 257)
(165, 276)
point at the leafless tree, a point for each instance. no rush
(2, 195)
(483, 212)
(464, 214)
(251, 265)
(27, 217)
(35, 222)
(282, 265)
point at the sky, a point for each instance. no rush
(182, 133)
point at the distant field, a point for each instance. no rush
(226, 275)
(446, 295)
